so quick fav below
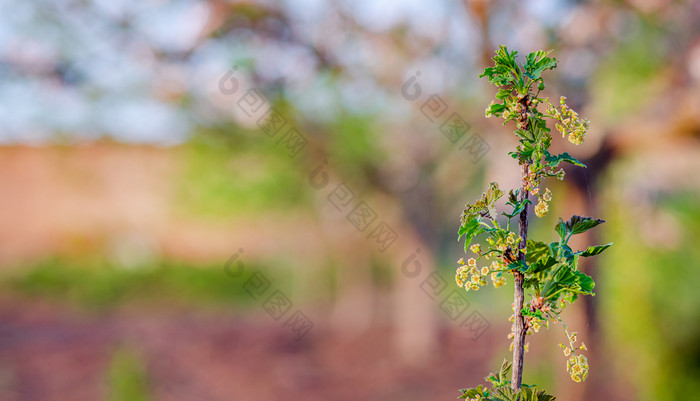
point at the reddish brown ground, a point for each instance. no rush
(48, 356)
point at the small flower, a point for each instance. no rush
(547, 195)
(541, 209)
(498, 280)
(535, 325)
(476, 248)
(471, 262)
(567, 351)
(583, 346)
(460, 261)
(484, 270)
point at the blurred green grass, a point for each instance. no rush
(100, 286)
(127, 378)
(650, 305)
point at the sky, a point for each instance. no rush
(147, 71)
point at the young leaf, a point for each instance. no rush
(503, 93)
(484, 207)
(542, 265)
(554, 160)
(537, 62)
(505, 369)
(537, 250)
(469, 231)
(584, 282)
(561, 229)
(518, 265)
(595, 250)
(576, 225)
(495, 109)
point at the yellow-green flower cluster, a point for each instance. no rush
(471, 277)
(476, 248)
(535, 324)
(498, 279)
(543, 201)
(512, 240)
(531, 181)
(569, 122)
(560, 174)
(576, 365)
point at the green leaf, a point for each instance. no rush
(570, 280)
(469, 231)
(561, 229)
(517, 208)
(505, 69)
(518, 265)
(523, 134)
(484, 207)
(576, 225)
(495, 109)
(527, 149)
(566, 252)
(504, 372)
(554, 160)
(537, 62)
(503, 93)
(537, 250)
(595, 250)
(542, 265)
(585, 282)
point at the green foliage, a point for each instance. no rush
(127, 379)
(228, 173)
(484, 207)
(550, 270)
(576, 225)
(651, 301)
(631, 77)
(101, 286)
(501, 391)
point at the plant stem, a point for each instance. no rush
(519, 295)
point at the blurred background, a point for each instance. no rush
(234, 200)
